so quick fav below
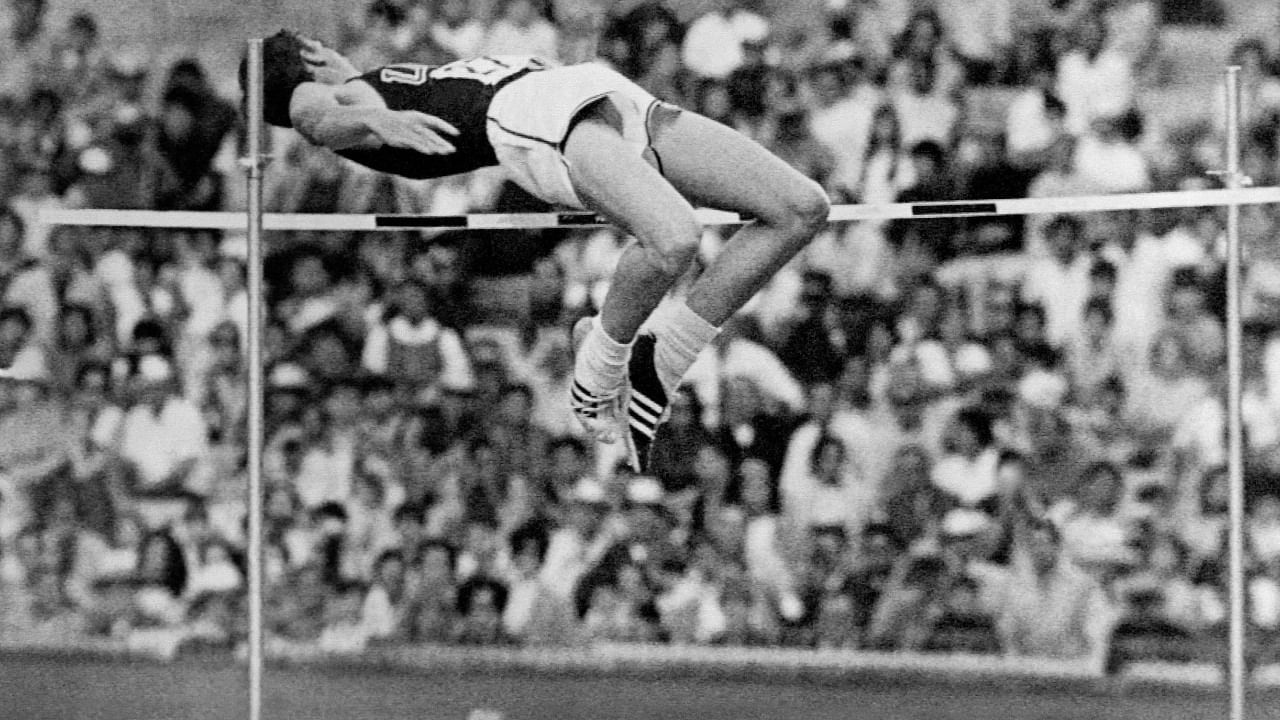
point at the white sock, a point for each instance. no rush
(681, 334)
(601, 364)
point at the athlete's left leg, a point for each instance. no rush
(716, 166)
(713, 165)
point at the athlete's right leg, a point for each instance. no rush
(612, 179)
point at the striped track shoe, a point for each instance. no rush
(598, 413)
(647, 406)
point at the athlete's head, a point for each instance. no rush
(283, 70)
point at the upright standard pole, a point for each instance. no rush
(254, 166)
(1235, 430)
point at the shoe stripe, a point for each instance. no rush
(639, 426)
(643, 414)
(650, 405)
(581, 393)
(642, 372)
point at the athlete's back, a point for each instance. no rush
(458, 93)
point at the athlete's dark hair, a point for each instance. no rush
(283, 70)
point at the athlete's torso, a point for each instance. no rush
(458, 93)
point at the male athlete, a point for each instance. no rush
(584, 137)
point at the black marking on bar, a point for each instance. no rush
(954, 209)
(580, 218)
(420, 221)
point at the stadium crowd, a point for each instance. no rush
(999, 435)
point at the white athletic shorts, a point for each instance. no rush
(529, 119)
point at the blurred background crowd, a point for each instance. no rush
(1001, 435)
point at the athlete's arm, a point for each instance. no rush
(325, 116)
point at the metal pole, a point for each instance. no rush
(254, 166)
(1235, 430)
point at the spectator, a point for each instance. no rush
(884, 170)
(967, 472)
(713, 43)
(932, 240)
(215, 572)
(382, 614)
(481, 602)
(19, 351)
(78, 64)
(432, 613)
(1095, 80)
(1091, 353)
(457, 29)
(163, 435)
(27, 47)
(982, 35)
(1190, 319)
(1060, 282)
(815, 347)
(343, 630)
(522, 28)
(76, 344)
(1096, 535)
(162, 580)
(412, 348)
(29, 282)
(1108, 158)
(923, 43)
(926, 113)
(1035, 116)
(1260, 89)
(1162, 394)
(1048, 607)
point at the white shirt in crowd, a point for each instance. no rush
(978, 29)
(713, 42)
(1111, 165)
(539, 39)
(455, 370)
(1091, 89)
(1062, 291)
(326, 473)
(744, 358)
(969, 481)
(925, 117)
(1027, 126)
(156, 443)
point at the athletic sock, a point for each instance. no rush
(601, 363)
(682, 335)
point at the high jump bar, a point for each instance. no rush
(179, 219)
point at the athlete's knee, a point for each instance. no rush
(807, 206)
(672, 250)
(798, 208)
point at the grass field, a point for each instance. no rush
(44, 689)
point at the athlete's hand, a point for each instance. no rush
(326, 64)
(414, 131)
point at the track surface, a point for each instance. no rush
(41, 689)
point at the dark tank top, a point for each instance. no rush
(458, 93)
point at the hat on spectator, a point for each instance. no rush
(288, 376)
(1042, 389)
(644, 490)
(128, 62)
(234, 245)
(24, 373)
(964, 523)
(154, 368)
(587, 491)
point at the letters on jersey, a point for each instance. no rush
(458, 93)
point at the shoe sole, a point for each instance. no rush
(646, 403)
